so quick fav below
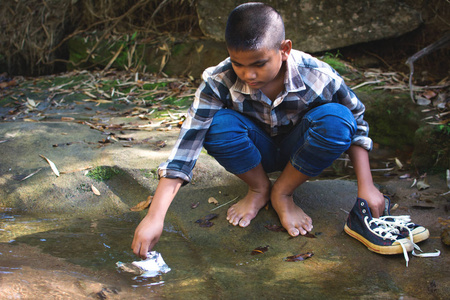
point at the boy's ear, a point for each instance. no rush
(285, 48)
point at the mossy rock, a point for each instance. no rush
(393, 118)
(173, 57)
(431, 149)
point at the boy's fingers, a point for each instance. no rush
(144, 250)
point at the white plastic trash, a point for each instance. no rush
(152, 266)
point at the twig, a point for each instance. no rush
(114, 58)
(365, 83)
(410, 61)
(225, 203)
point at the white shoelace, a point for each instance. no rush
(405, 222)
(389, 226)
(402, 222)
(386, 231)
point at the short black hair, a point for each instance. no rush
(254, 25)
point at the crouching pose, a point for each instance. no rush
(270, 108)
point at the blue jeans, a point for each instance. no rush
(239, 145)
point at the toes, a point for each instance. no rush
(244, 222)
(294, 232)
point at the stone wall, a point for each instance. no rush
(318, 25)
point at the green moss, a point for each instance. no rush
(152, 86)
(185, 101)
(431, 150)
(392, 118)
(335, 62)
(103, 173)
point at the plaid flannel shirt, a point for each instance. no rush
(309, 83)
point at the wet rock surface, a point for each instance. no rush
(61, 239)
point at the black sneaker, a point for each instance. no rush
(414, 232)
(374, 233)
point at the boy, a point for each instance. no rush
(270, 108)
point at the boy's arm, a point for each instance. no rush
(366, 189)
(150, 229)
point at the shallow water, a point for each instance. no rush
(96, 245)
(56, 256)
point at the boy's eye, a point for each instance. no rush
(260, 65)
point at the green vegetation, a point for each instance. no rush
(444, 128)
(103, 173)
(336, 62)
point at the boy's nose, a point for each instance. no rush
(250, 75)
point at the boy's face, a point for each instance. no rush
(259, 68)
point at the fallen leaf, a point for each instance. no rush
(211, 216)
(444, 222)
(448, 178)
(405, 176)
(206, 221)
(195, 205)
(445, 236)
(4, 85)
(161, 144)
(52, 165)
(77, 170)
(67, 119)
(429, 94)
(260, 250)
(213, 200)
(398, 163)
(24, 177)
(299, 257)
(308, 235)
(275, 228)
(143, 204)
(95, 190)
(422, 206)
(422, 185)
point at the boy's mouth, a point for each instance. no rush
(253, 83)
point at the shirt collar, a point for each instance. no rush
(293, 80)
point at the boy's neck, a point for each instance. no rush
(276, 86)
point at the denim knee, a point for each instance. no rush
(228, 141)
(327, 133)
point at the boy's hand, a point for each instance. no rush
(149, 231)
(146, 236)
(374, 198)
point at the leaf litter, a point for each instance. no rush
(143, 204)
(260, 250)
(52, 165)
(299, 257)
(206, 221)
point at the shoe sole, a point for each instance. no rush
(396, 248)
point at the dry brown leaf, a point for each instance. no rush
(52, 165)
(398, 163)
(213, 200)
(95, 190)
(444, 222)
(76, 170)
(143, 204)
(67, 119)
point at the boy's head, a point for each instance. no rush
(256, 43)
(253, 26)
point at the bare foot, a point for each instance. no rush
(247, 208)
(292, 217)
